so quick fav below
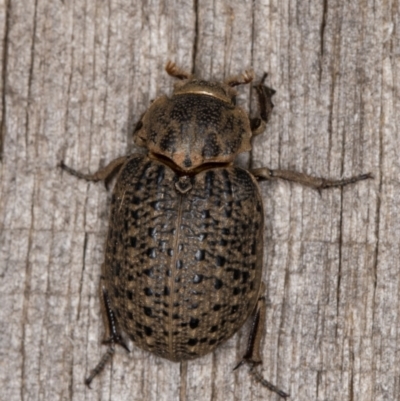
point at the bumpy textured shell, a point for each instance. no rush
(192, 130)
(183, 256)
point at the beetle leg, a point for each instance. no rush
(113, 339)
(241, 79)
(265, 105)
(176, 72)
(252, 355)
(319, 183)
(104, 174)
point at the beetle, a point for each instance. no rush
(184, 251)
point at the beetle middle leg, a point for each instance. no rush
(252, 355)
(319, 183)
(114, 336)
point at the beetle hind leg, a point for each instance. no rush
(113, 339)
(252, 356)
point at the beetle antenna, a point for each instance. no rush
(241, 79)
(176, 72)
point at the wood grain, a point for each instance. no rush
(76, 75)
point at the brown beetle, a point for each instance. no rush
(183, 260)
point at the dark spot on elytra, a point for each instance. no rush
(236, 274)
(200, 254)
(149, 272)
(132, 242)
(236, 291)
(198, 278)
(170, 252)
(129, 294)
(129, 315)
(160, 174)
(217, 307)
(166, 291)
(212, 342)
(152, 232)
(202, 237)
(179, 264)
(245, 277)
(136, 200)
(192, 342)
(148, 331)
(148, 291)
(155, 205)
(175, 316)
(147, 311)
(213, 329)
(151, 253)
(205, 214)
(234, 309)
(218, 283)
(130, 277)
(227, 213)
(194, 322)
(220, 261)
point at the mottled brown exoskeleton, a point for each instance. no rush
(183, 259)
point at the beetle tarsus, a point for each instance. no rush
(100, 366)
(257, 376)
(252, 357)
(176, 72)
(318, 183)
(115, 338)
(105, 174)
(241, 79)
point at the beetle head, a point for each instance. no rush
(199, 124)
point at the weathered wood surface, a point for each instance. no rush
(77, 74)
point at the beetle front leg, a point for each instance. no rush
(104, 174)
(319, 183)
(252, 355)
(114, 336)
(265, 105)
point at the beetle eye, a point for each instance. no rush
(233, 100)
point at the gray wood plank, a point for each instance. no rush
(77, 75)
